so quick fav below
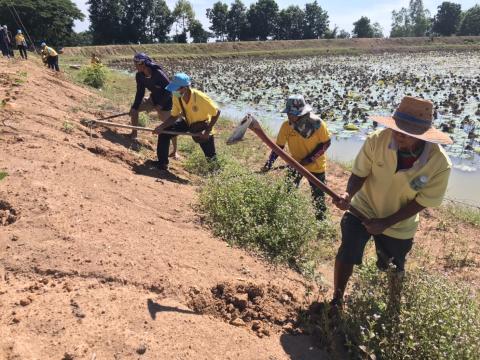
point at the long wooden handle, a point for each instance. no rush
(141, 128)
(297, 166)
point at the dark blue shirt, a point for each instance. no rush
(156, 84)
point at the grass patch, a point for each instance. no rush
(467, 214)
(262, 213)
(3, 175)
(94, 76)
(68, 127)
(437, 318)
(143, 119)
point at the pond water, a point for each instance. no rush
(345, 90)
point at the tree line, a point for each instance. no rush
(152, 21)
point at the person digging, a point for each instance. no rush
(398, 172)
(50, 56)
(308, 139)
(192, 111)
(152, 77)
(21, 44)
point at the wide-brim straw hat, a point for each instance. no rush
(414, 117)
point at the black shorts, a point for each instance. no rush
(355, 238)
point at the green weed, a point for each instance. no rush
(68, 127)
(261, 213)
(143, 119)
(470, 215)
(436, 318)
(94, 76)
(3, 175)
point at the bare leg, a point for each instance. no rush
(134, 120)
(174, 153)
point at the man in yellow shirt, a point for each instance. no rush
(399, 171)
(21, 44)
(51, 56)
(192, 111)
(308, 139)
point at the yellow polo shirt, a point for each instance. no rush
(199, 108)
(47, 50)
(300, 147)
(386, 190)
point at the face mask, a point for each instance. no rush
(177, 94)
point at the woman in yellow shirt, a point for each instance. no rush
(21, 44)
(308, 139)
(192, 111)
(51, 57)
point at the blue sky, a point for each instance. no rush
(342, 12)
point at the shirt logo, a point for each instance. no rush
(419, 182)
(194, 108)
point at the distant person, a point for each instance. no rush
(4, 41)
(21, 44)
(308, 139)
(50, 56)
(192, 111)
(399, 171)
(151, 76)
(95, 60)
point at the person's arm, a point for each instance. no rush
(354, 185)
(212, 122)
(319, 150)
(167, 123)
(139, 94)
(378, 226)
(271, 159)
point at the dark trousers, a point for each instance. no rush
(318, 195)
(4, 48)
(163, 144)
(23, 51)
(52, 62)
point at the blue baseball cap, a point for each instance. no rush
(43, 44)
(179, 80)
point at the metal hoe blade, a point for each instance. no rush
(240, 130)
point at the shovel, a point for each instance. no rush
(249, 122)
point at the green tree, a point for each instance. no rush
(105, 21)
(414, 21)
(377, 30)
(237, 23)
(135, 20)
(420, 18)
(84, 38)
(197, 32)
(343, 34)
(46, 20)
(471, 22)
(447, 20)
(183, 14)
(262, 18)
(290, 23)
(161, 21)
(362, 28)
(401, 25)
(316, 21)
(218, 16)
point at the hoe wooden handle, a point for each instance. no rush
(256, 128)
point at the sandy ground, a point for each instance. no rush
(99, 262)
(100, 259)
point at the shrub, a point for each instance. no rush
(3, 175)
(94, 75)
(143, 119)
(437, 319)
(261, 213)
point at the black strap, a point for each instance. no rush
(183, 110)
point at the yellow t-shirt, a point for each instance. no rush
(20, 39)
(49, 51)
(386, 190)
(199, 108)
(300, 147)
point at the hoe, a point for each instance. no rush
(91, 123)
(249, 122)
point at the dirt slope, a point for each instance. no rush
(99, 262)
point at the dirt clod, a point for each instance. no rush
(142, 349)
(8, 215)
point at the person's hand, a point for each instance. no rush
(376, 226)
(158, 129)
(343, 203)
(306, 161)
(204, 135)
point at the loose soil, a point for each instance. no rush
(103, 259)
